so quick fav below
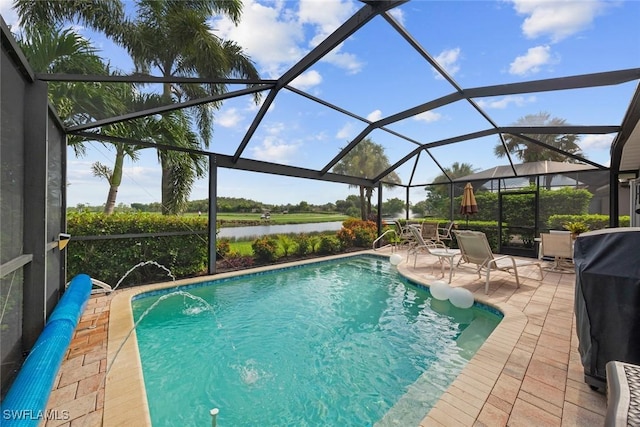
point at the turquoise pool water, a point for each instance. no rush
(341, 343)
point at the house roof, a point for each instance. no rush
(543, 167)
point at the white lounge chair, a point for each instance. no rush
(436, 249)
(476, 250)
(560, 247)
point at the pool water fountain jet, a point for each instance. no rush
(185, 295)
(142, 264)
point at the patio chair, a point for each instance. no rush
(437, 249)
(558, 246)
(444, 233)
(405, 236)
(475, 249)
(429, 231)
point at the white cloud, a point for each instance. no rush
(398, 14)
(325, 16)
(253, 107)
(273, 147)
(374, 116)
(275, 46)
(346, 61)
(596, 142)
(428, 116)
(139, 183)
(307, 80)
(531, 62)
(558, 19)
(506, 101)
(346, 131)
(280, 40)
(275, 150)
(228, 118)
(448, 59)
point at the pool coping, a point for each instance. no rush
(125, 396)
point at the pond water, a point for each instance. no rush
(262, 230)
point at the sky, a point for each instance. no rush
(376, 73)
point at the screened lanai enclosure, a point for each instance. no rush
(436, 123)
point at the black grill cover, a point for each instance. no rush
(607, 302)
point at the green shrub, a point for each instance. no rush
(362, 233)
(302, 244)
(223, 247)
(265, 249)
(593, 221)
(329, 245)
(314, 243)
(346, 236)
(109, 259)
(286, 243)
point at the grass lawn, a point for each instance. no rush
(278, 218)
(242, 247)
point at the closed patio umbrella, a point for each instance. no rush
(468, 206)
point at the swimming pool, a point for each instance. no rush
(347, 342)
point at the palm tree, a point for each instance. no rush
(54, 50)
(366, 160)
(172, 37)
(175, 38)
(50, 49)
(528, 151)
(106, 16)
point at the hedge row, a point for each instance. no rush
(184, 255)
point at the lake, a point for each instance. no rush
(262, 230)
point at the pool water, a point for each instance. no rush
(341, 343)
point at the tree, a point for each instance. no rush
(366, 160)
(439, 196)
(419, 209)
(393, 206)
(175, 38)
(54, 50)
(106, 16)
(50, 49)
(528, 151)
(348, 205)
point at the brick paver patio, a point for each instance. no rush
(528, 373)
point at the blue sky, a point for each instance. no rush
(375, 73)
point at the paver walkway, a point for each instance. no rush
(529, 374)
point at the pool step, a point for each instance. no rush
(414, 405)
(411, 408)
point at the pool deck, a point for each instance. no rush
(527, 373)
